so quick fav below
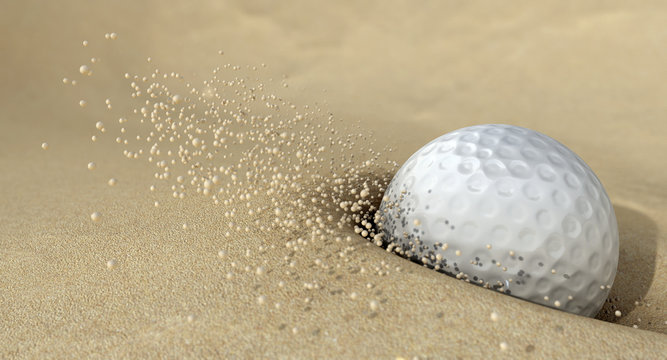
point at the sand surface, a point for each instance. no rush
(590, 75)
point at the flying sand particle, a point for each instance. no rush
(231, 140)
(85, 70)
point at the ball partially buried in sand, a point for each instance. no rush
(509, 209)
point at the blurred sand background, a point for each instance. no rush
(593, 75)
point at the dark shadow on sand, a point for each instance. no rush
(636, 264)
(638, 236)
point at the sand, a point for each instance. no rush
(590, 76)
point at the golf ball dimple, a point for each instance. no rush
(510, 209)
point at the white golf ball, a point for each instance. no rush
(509, 209)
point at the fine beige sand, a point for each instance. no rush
(590, 74)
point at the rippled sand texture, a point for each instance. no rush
(590, 76)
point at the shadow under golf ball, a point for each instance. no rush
(638, 235)
(636, 267)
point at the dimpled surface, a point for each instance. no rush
(510, 209)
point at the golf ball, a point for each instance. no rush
(506, 208)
